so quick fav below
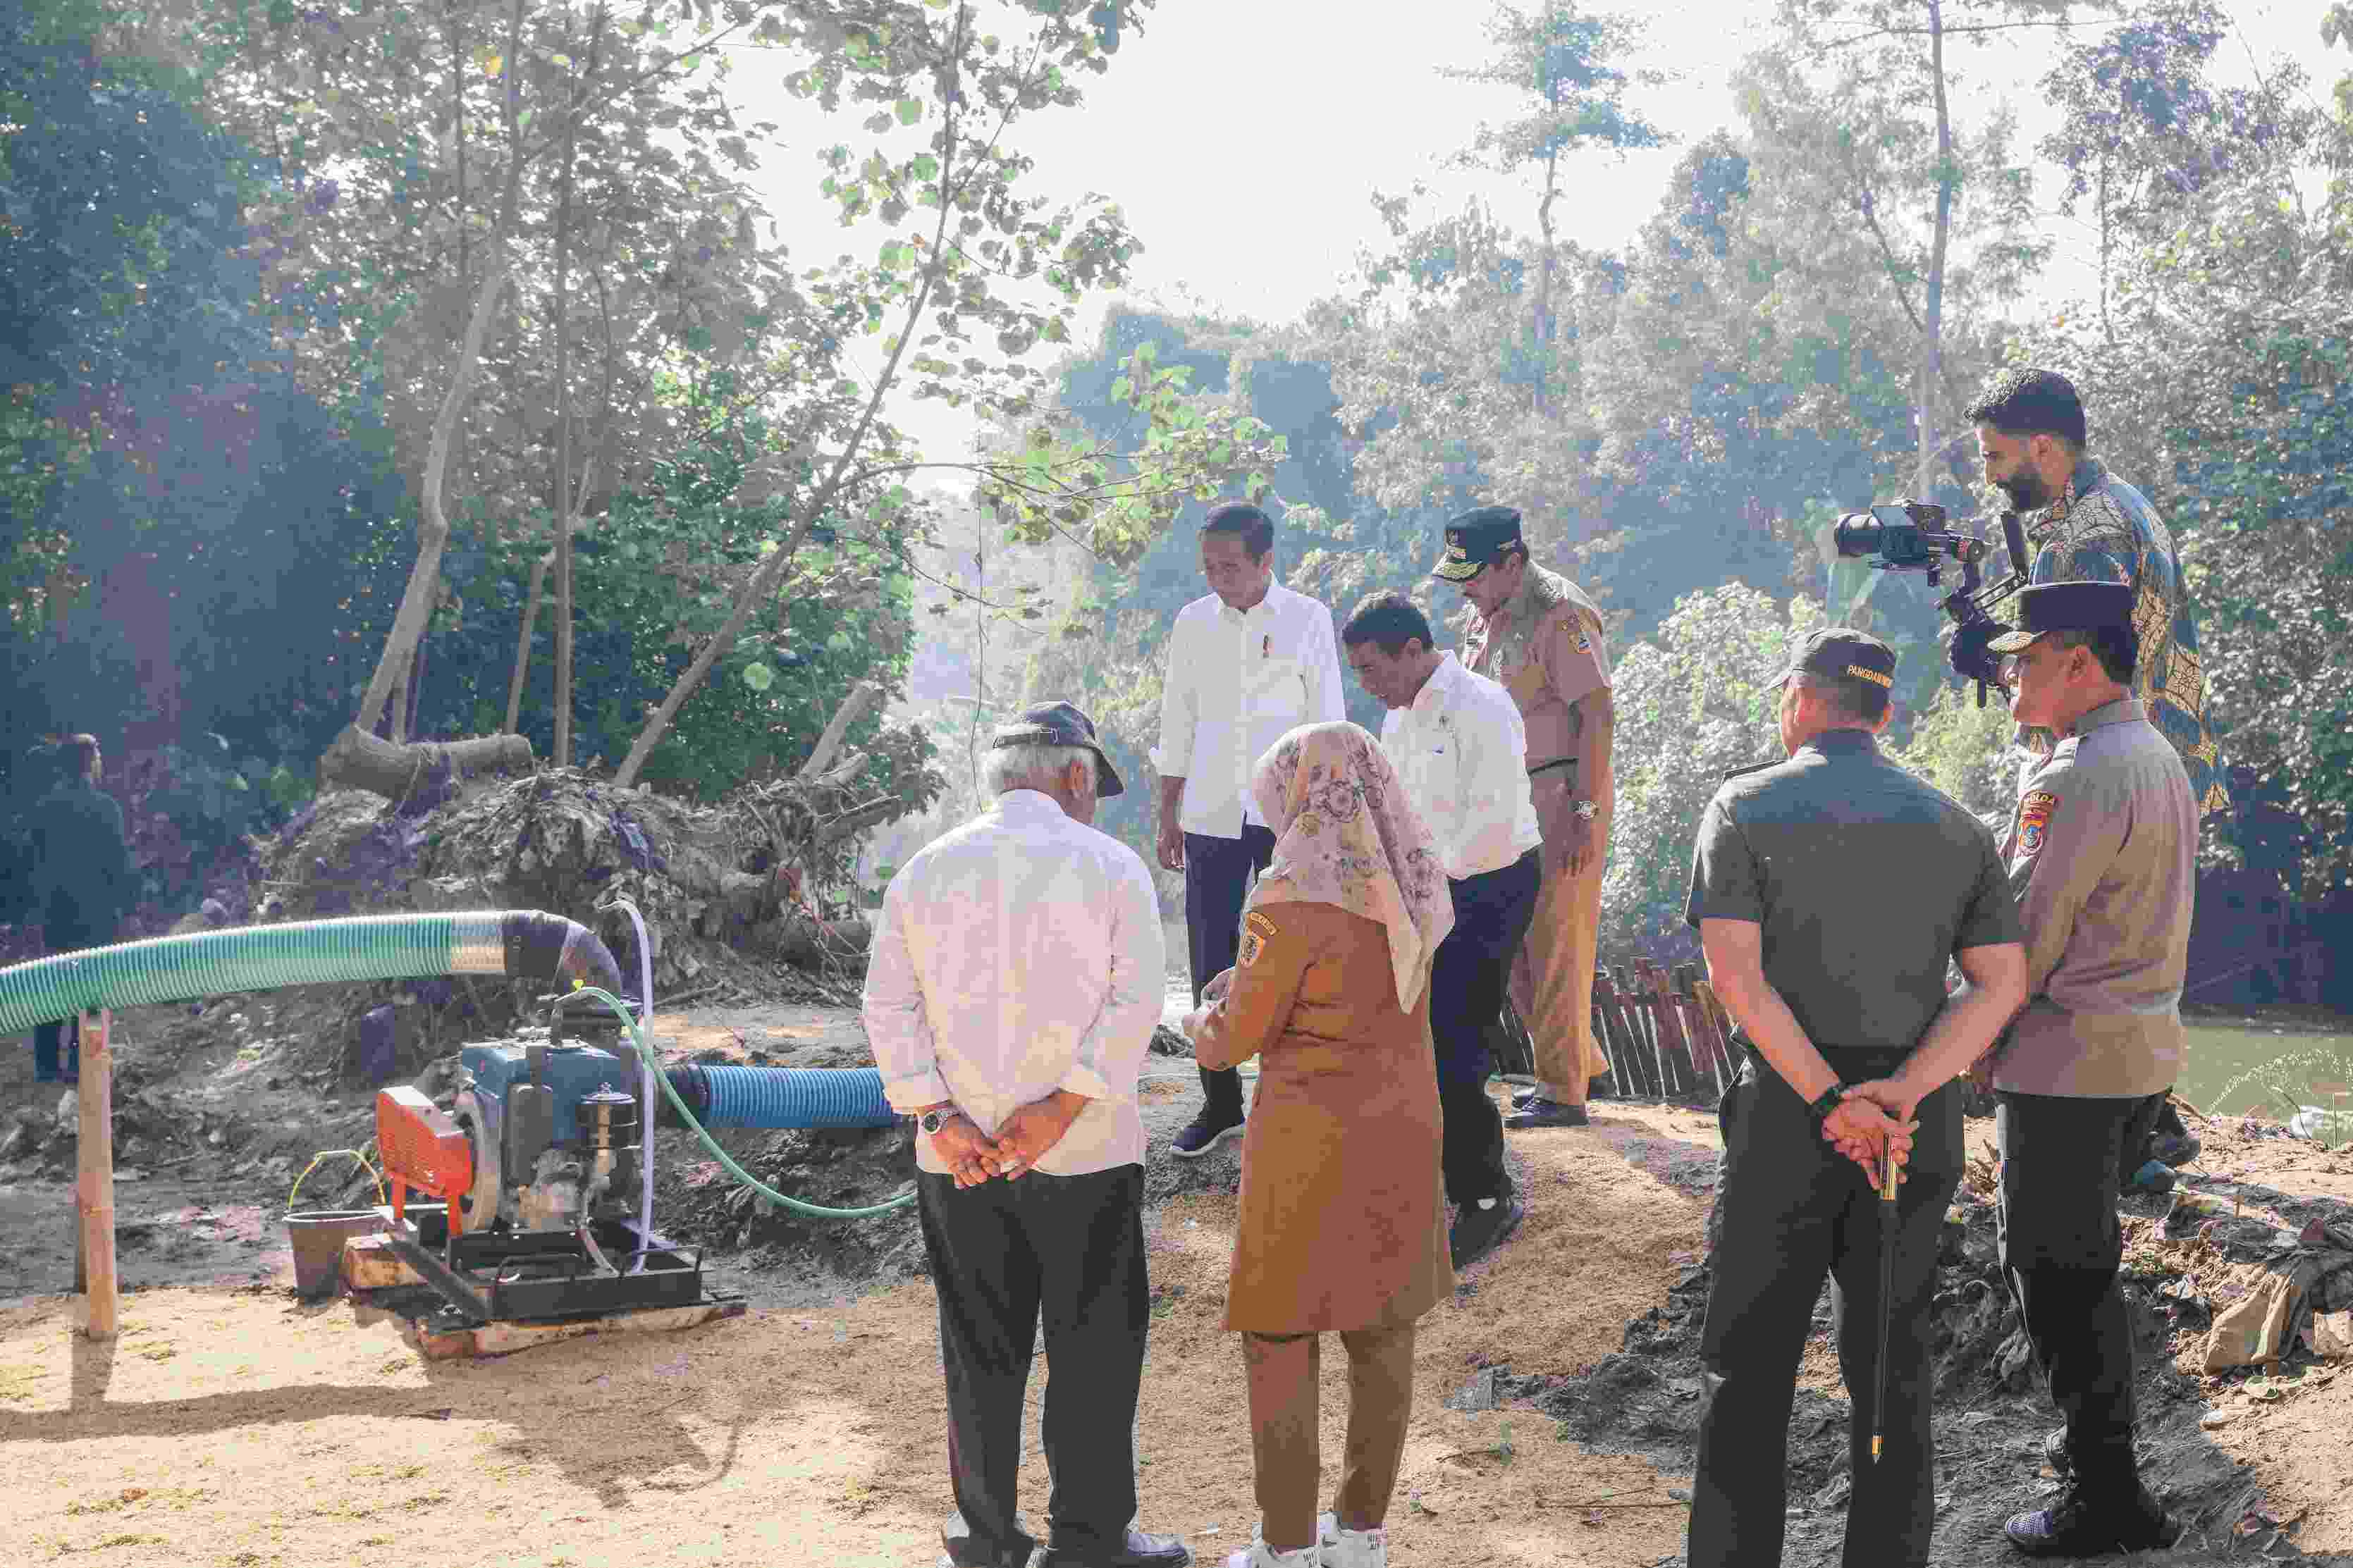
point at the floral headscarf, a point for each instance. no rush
(1346, 836)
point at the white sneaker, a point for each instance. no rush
(1260, 1556)
(1350, 1548)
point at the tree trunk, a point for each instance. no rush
(522, 641)
(1932, 347)
(764, 581)
(396, 731)
(359, 760)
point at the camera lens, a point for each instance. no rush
(1858, 533)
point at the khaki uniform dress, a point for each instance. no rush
(1342, 1224)
(1546, 648)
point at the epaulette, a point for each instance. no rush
(1751, 768)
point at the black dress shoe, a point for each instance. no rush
(1478, 1232)
(1141, 1552)
(2083, 1525)
(1203, 1133)
(1538, 1111)
(964, 1550)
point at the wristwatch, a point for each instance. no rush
(931, 1121)
(1829, 1101)
(1586, 810)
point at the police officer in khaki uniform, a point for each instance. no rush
(2102, 856)
(1540, 638)
(1832, 891)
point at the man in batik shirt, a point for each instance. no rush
(2084, 525)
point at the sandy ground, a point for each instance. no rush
(230, 1424)
(243, 1427)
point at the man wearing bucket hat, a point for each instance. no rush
(1014, 983)
(2103, 854)
(1831, 892)
(1540, 638)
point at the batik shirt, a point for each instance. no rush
(2101, 530)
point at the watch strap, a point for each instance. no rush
(1820, 1109)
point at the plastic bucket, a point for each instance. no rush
(318, 1236)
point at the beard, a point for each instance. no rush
(2026, 490)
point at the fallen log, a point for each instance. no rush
(359, 760)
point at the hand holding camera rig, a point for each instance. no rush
(1912, 536)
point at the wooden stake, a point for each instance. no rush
(94, 1188)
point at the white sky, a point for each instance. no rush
(1244, 139)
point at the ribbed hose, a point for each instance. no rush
(797, 1096)
(726, 1161)
(524, 944)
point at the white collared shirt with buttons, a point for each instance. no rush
(1462, 753)
(1019, 955)
(1238, 680)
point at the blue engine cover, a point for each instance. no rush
(573, 1073)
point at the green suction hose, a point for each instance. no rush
(726, 1161)
(520, 944)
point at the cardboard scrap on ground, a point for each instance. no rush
(2330, 1334)
(2252, 1329)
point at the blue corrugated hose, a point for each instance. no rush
(848, 1097)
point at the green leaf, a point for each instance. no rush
(759, 677)
(910, 110)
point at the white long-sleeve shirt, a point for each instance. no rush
(1462, 753)
(1238, 680)
(1019, 955)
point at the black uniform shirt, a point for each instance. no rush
(1866, 880)
(81, 876)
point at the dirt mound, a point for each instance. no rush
(721, 904)
(1991, 1413)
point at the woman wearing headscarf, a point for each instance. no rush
(1343, 1222)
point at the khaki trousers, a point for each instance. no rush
(1284, 1429)
(1552, 974)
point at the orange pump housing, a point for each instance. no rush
(423, 1149)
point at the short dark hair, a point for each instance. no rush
(1847, 697)
(2115, 646)
(1255, 529)
(2029, 401)
(1388, 621)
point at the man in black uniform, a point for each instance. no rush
(81, 880)
(1832, 891)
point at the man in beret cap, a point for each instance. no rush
(2102, 854)
(1540, 638)
(1831, 892)
(1015, 981)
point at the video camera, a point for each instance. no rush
(1912, 536)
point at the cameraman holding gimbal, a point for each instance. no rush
(2085, 525)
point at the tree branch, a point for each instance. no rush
(764, 581)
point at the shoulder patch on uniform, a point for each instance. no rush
(2033, 818)
(1583, 642)
(1256, 929)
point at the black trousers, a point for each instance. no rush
(1466, 1005)
(1217, 878)
(2061, 1248)
(1003, 1254)
(57, 1047)
(1793, 1210)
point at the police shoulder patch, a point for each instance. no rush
(2034, 818)
(1256, 929)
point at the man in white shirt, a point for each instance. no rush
(1457, 743)
(1249, 662)
(1014, 983)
